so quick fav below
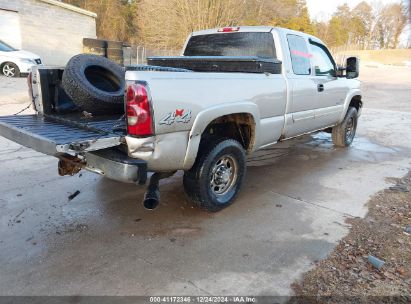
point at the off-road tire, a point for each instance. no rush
(197, 180)
(95, 84)
(340, 135)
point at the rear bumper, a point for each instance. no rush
(163, 152)
(115, 164)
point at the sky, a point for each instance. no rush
(323, 9)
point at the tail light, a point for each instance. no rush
(138, 111)
(229, 29)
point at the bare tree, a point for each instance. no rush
(363, 21)
(115, 18)
(166, 23)
(391, 23)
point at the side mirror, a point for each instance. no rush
(352, 67)
(340, 71)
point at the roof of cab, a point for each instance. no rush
(292, 32)
(256, 29)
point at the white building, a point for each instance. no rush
(49, 28)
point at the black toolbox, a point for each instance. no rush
(224, 64)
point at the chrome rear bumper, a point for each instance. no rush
(116, 165)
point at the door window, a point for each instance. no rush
(300, 58)
(322, 60)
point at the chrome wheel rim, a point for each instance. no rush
(223, 175)
(8, 70)
(350, 130)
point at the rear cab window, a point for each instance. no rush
(259, 44)
(300, 56)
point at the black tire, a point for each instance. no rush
(95, 84)
(344, 133)
(200, 181)
(9, 69)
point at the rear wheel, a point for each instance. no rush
(217, 175)
(9, 69)
(344, 133)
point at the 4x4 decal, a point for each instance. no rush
(182, 115)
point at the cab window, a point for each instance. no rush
(322, 60)
(300, 58)
(232, 44)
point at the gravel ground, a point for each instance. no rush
(347, 272)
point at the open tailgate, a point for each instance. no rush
(54, 135)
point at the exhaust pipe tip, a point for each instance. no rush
(151, 199)
(150, 203)
(152, 195)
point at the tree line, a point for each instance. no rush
(166, 23)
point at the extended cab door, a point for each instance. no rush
(331, 91)
(302, 87)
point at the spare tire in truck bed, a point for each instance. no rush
(95, 84)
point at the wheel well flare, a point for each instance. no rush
(238, 126)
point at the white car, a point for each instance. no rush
(15, 62)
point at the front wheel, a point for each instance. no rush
(9, 69)
(217, 175)
(344, 133)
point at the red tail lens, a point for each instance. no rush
(229, 29)
(138, 110)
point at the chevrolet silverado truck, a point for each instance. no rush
(233, 91)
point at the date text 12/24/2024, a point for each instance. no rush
(202, 299)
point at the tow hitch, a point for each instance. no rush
(69, 165)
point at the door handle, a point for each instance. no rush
(320, 88)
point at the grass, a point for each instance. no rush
(390, 57)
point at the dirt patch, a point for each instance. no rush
(382, 234)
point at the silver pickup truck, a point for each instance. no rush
(233, 91)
